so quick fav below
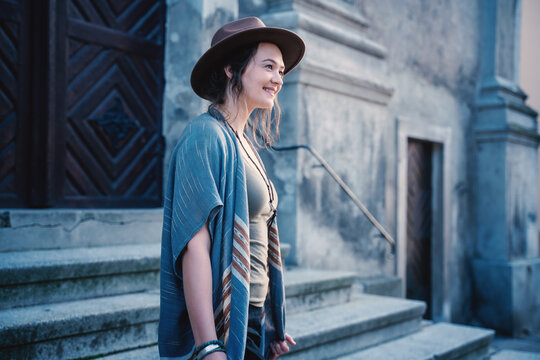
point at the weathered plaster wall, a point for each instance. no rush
(338, 106)
(433, 63)
(190, 26)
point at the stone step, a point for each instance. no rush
(384, 285)
(440, 341)
(308, 289)
(369, 320)
(335, 330)
(146, 353)
(79, 329)
(110, 324)
(49, 276)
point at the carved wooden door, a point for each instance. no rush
(98, 141)
(419, 222)
(14, 88)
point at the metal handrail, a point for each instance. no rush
(345, 188)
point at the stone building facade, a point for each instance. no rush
(415, 104)
(381, 82)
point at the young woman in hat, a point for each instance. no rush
(222, 293)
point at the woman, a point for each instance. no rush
(222, 294)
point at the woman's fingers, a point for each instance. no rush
(281, 347)
(290, 339)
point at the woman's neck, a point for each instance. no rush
(236, 114)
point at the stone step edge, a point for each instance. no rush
(317, 327)
(428, 344)
(44, 322)
(52, 321)
(34, 317)
(17, 268)
(312, 337)
(27, 267)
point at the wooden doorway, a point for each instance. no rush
(419, 223)
(80, 103)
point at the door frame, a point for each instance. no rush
(441, 181)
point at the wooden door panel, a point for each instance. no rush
(13, 113)
(81, 85)
(419, 216)
(113, 102)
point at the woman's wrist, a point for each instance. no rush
(208, 348)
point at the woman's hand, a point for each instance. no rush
(281, 347)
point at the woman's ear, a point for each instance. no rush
(228, 71)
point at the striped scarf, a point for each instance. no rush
(207, 183)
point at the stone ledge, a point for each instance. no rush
(70, 228)
(325, 29)
(510, 133)
(325, 8)
(346, 84)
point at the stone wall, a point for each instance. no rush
(433, 62)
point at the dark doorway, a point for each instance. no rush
(419, 222)
(80, 103)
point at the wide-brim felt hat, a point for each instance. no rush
(236, 34)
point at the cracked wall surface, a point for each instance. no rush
(55, 229)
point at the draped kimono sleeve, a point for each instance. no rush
(193, 197)
(196, 197)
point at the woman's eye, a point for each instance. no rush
(269, 66)
(281, 73)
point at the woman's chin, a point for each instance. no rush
(267, 105)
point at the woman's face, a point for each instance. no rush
(263, 77)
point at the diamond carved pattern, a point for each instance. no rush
(113, 130)
(116, 124)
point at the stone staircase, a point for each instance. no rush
(103, 302)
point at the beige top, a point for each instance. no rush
(259, 212)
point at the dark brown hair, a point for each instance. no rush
(263, 120)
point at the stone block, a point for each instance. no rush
(508, 295)
(70, 228)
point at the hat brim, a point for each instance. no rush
(291, 45)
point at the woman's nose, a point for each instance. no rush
(277, 78)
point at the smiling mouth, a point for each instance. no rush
(269, 91)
